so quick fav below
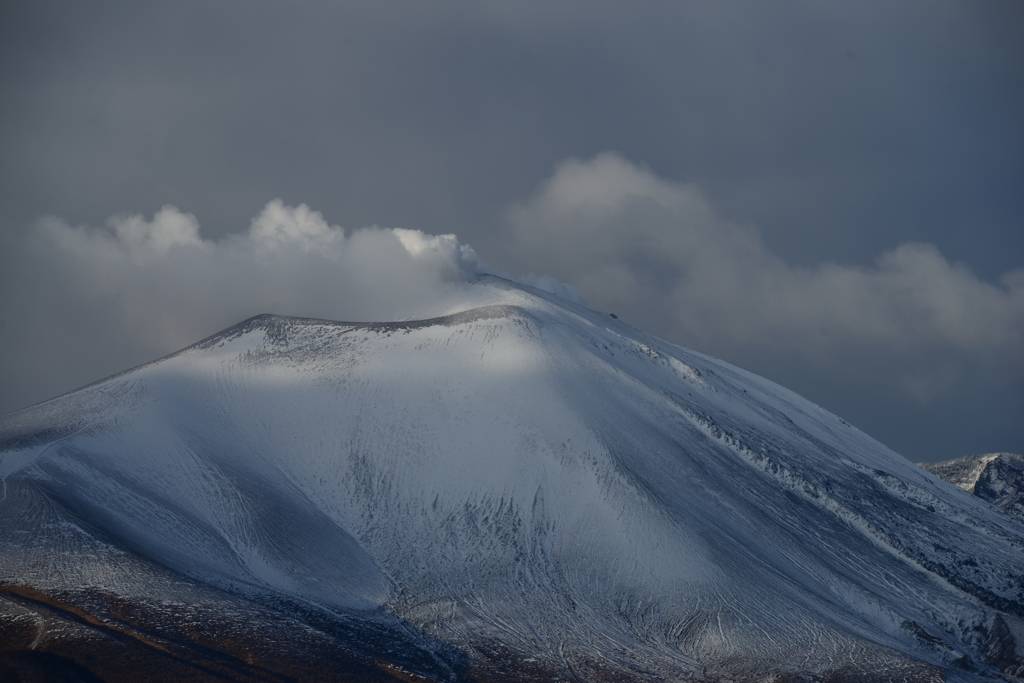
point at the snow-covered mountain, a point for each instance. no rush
(521, 489)
(995, 477)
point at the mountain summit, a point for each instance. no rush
(524, 489)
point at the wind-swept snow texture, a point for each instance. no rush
(529, 477)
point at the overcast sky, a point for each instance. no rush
(828, 194)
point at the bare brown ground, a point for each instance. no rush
(69, 642)
(92, 637)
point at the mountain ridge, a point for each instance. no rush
(579, 494)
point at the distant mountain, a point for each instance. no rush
(995, 477)
(522, 490)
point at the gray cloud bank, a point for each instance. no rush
(657, 251)
(913, 330)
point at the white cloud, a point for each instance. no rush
(656, 251)
(81, 302)
(163, 284)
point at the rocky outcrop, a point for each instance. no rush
(995, 477)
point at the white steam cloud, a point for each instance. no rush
(163, 283)
(657, 253)
(137, 289)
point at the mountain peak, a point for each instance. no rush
(522, 475)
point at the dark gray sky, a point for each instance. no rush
(828, 194)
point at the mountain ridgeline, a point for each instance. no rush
(521, 489)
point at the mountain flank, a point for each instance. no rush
(521, 489)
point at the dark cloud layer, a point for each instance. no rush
(829, 136)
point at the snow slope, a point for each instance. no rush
(529, 475)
